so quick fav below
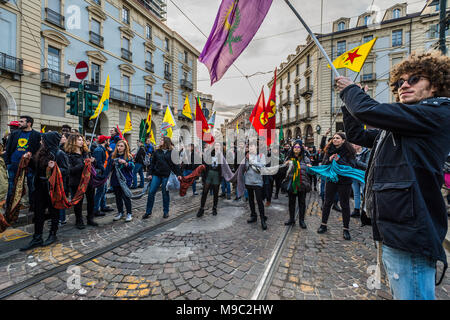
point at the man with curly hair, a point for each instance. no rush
(405, 170)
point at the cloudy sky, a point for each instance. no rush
(278, 36)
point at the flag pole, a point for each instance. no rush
(313, 36)
(342, 105)
(93, 132)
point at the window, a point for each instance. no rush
(367, 38)
(308, 61)
(308, 107)
(396, 13)
(367, 73)
(126, 43)
(95, 73)
(397, 38)
(126, 83)
(95, 26)
(341, 26)
(167, 98)
(149, 92)
(148, 56)
(297, 89)
(308, 82)
(166, 67)
(367, 20)
(341, 47)
(54, 5)
(125, 15)
(167, 44)
(148, 32)
(185, 75)
(288, 77)
(296, 70)
(186, 57)
(54, 61)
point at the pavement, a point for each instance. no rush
(210, 258)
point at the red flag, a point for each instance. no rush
(271, 110)
(120, 133)
(203, 130)
(257, 118)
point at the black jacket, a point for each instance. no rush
(140, 156)
(76, 162)
(363, 159)
(162, 164)
(409, 212)
(34, 143)
(346, 158)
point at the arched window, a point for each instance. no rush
(341, 26)
(396, 13)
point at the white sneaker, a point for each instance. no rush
(118, 217)
(129, 218)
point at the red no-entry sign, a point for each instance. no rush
(81, 70)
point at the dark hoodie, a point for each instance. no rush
(346, 158)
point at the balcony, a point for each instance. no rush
(96, 39)
(167, 76)
(52, 77)
(127, 55)
(186, 85)
(285, 102)
(4, 1)
(54, 18)
(305, 116)
(12, 65)
(306, 92)
(296, 97)
(152, 6)
(149, 66)
(368, 77)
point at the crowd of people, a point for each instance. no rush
(387, 168)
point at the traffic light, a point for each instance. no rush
(73, 103)
(91, 102)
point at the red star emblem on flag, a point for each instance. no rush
(353, 55)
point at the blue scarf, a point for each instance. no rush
(333, 170)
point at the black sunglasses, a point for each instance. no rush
(411, 81)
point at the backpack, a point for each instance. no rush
(147, 160)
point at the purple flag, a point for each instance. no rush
(236, 24)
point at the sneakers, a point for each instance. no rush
(129, 217)
(118, 217)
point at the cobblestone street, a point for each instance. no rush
(213, 257)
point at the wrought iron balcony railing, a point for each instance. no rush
(149, 66)
(186, 84)
(54, 18)
(96, 38)
(167, 76)
(50, 76)
(127, 55)
(11, 64)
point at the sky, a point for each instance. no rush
(278, 36)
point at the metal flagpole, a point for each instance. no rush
(342, 105)
(313, 36)
(95, 126)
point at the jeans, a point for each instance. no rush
(156, 182)
(226, 186)
(138, 168)
(121, 199)
(194, 184)
(100, 197)
(411, 275)
(358, 189)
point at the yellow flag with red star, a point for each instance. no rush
(354, 59)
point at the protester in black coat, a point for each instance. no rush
(46, 157)
(339, 150)
(77, 151)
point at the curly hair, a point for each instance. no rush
(71, 144)
(433, 65)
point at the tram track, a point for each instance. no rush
(188, 212)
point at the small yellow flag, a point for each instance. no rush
(152, 137)
(187, 108)
(128, 125)
(168, 123)
(237, 127)
(103, 105)
(149, 119)
(354, 59)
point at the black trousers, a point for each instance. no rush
(331, 189)
(258, 192)
(301, 197)
(313, 180)
(121, 199)
(78, 209)
(44, 203)
(214, 188)
(279, 177)
(268, 187)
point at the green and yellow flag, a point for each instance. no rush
(103, 105)
(148, 121)
(354, 59)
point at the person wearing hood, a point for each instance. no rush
(47, 156)
(77, 151)
(339, 150)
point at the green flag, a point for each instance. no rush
(142, 131)
(281, 135)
